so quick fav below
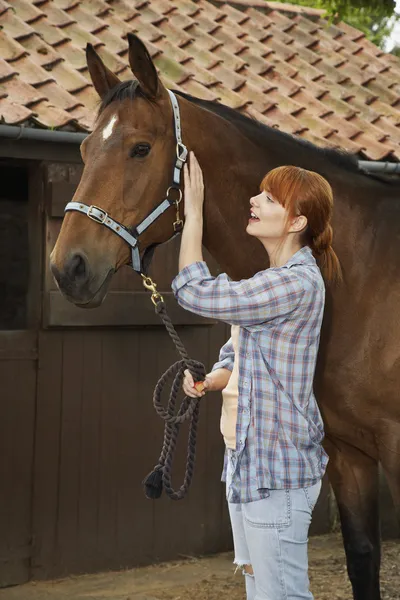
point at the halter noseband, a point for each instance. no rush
(131, 235)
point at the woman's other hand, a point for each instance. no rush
(194, 190)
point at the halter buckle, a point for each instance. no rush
(181, 152)
(98, 218)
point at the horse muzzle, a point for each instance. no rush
(78, 283)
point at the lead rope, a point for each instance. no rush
(189, 410)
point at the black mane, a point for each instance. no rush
(260, 133)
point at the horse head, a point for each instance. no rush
(129, 161)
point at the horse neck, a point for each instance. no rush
(232, 169)
(234, 165)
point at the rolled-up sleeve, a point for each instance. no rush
(269, 294)
(226, 357)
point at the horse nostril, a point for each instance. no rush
(77, 269)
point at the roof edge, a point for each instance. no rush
(266, 6)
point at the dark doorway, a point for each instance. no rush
(14, 247)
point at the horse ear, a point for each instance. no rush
(103, 79)
(143, 67)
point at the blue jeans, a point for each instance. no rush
(271, 535)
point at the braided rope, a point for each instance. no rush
(188, 411)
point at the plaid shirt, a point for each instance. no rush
(279, 427)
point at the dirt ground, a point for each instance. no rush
(210, 578)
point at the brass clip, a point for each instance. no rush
(178, 224)
(152, 287)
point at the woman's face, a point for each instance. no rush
(268, 218)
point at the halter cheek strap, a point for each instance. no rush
(130, 235)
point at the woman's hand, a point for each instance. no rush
(189, 387)
(194, 190)
(216, 381)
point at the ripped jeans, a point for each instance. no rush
(271, 535)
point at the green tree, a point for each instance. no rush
(375, 18)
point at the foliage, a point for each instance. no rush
(375, 18)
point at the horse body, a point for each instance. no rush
(358, 371)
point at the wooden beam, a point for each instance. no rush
(124, 309)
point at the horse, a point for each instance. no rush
(128, 159)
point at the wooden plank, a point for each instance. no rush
(137, 451)
(70, 450)
(181, 525)
(47, 453)
(90, 465)
(217, 527)
(59, 193)
(118, 309)
(36, 228)
(18, 345)
(18, 381)
(109, 442)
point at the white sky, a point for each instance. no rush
(395, 37)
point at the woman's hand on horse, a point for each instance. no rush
(194, 189)
(189, 388)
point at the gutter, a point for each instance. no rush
(41, 135)
(69, 137)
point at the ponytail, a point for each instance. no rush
(321, 246)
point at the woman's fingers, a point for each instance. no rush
(195, 170)
(186, 176)
(188, 378)
(188, 386)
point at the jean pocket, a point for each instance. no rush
(312, 494)
(274, 511)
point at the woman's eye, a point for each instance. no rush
(140, 150)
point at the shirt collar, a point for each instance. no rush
(304, 256)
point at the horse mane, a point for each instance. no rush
(124, 90)
(257, 131)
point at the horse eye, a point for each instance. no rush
(140, 150)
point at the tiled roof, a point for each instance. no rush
(282, 64)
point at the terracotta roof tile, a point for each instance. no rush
(56, 16)
(25, 10)
(84, 116)
(18, 91)
(15, 27)
(10, 49)
(282, 64)
(123, 8)
(30, 72)
(339, 141)
(48, 115)
(67, 77)
(284, 120)
(58, 96)
(259, 64)
(40, 52)
(6, 71)
(13, 113)
(50, 33)
(373, 148)
(88, 97)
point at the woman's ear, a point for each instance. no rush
(298, 224)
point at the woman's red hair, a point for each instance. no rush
(307, 193)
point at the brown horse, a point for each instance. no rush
(128, 162)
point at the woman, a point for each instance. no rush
(270, 420)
